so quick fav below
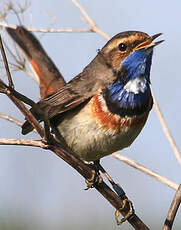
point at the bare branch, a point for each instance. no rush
(166, 130)
(86, 171)
(27, 114)
(20, 62)
(6, 64)
(16, 55)
(11, 119)
(5, 11)
(173, 210)
(23, 142)
(145, 170)
(94, 27)
(50, 30)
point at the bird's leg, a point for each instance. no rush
(96, 177)
(127, 204)
(48, 138)
(115, 186)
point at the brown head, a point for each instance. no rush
(123, 44)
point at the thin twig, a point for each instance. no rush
(23, 142)
(166, 130)
(173, 210)
(16, 97)
(50, 30)
(10, 90)
(28, 115)
(11, 119)
(6, 64)
(89, 20)
(20, 62)
(9, 48)
(145, 170)
(84, 170)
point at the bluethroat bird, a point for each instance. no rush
(105, 107)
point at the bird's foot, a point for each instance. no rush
(95, 179)
(128, 208)
(48, 139)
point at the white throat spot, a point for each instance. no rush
(136, 85)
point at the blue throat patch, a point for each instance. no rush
(126, 98)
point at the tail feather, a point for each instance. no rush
(26, 128)
(49, 76)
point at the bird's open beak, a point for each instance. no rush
(149, 42)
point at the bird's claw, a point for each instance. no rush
(95, 179)
(127, 205)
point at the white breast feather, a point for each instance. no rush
(136, 85)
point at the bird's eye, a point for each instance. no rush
(122, 47)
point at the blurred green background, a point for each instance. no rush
(40, 191)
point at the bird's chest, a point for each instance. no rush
(94, 132)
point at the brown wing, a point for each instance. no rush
(95, 77)
(63, 100)
(69, 96)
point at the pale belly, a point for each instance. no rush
(86, 135)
